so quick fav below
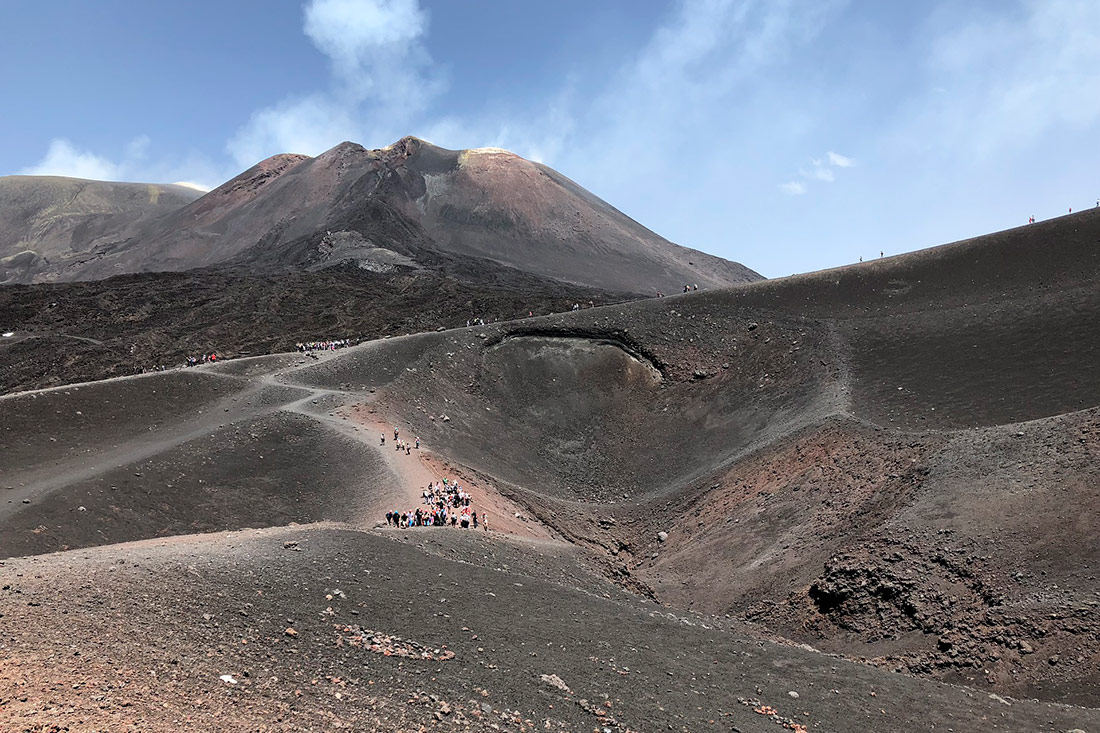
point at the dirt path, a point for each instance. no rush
(347, 413)
(353, 415)
(422, 467)
(234, 408)
(36, 484)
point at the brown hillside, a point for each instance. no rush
(47, 223)
(409, 203)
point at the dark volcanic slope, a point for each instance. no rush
(161, 622)
(413, 200)
(68, 332)
(766, 454)
(47, 223)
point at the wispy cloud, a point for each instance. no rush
(133, 163)
(382, 81)
(821, 169)
(999, 79)
(818, 172)
(680, 110)
(65, 159)
(381, 84)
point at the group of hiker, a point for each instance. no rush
(304, 346)
(1031, 219)
(445, 503)
(402, 445)
(202, 359)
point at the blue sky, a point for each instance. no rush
(790, 135)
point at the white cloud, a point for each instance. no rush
(821, 169)
(65, 159)
(353, 32)
(382, 82)
(193, 185)
(793, 188)
(307, 125)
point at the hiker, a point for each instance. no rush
(383, 439)
(473, 517)
(389, 518)
(408, 450)
(418, 442)
(395, 433)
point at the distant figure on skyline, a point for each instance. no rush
(881, 253)
(1031, 219)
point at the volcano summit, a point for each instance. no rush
(410, 204)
